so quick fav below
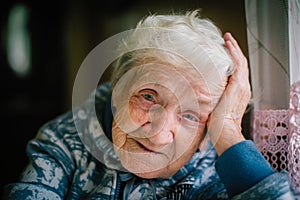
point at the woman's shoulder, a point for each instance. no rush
(76, 124)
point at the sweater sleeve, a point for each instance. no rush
(273, 187)
(241, 167)
(50, 167)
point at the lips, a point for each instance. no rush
(145, 148)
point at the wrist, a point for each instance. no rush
(225, 143)
(226, 136)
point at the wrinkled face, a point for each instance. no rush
(161, 113)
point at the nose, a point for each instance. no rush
(162, 126)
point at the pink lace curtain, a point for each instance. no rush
(273, 31)
(294, 135)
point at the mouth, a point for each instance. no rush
(144, 148)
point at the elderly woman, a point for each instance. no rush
(167, 126)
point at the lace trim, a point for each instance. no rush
(294, 144)
(270, 134)
(277, 135)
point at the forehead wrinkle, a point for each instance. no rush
(201, 93)
(203, 97)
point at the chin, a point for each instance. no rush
(144, 170)
(163, 173)
(147, 169)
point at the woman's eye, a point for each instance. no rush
(191, 117)
(145, 98)
(148, 97)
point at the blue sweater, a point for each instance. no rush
(72, 157)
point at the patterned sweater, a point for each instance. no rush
(72, 157)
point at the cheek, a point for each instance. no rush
(118, 136)
(188, 140)
(138, 114)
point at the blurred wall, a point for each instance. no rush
(62, 33)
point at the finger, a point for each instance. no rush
(239, 61)
(228, 37)
(233, 52)
(237, 56)
(232, 45)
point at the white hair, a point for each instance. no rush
(176, 40)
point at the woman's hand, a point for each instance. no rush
(224, 124)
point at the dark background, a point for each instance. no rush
(62, 33)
